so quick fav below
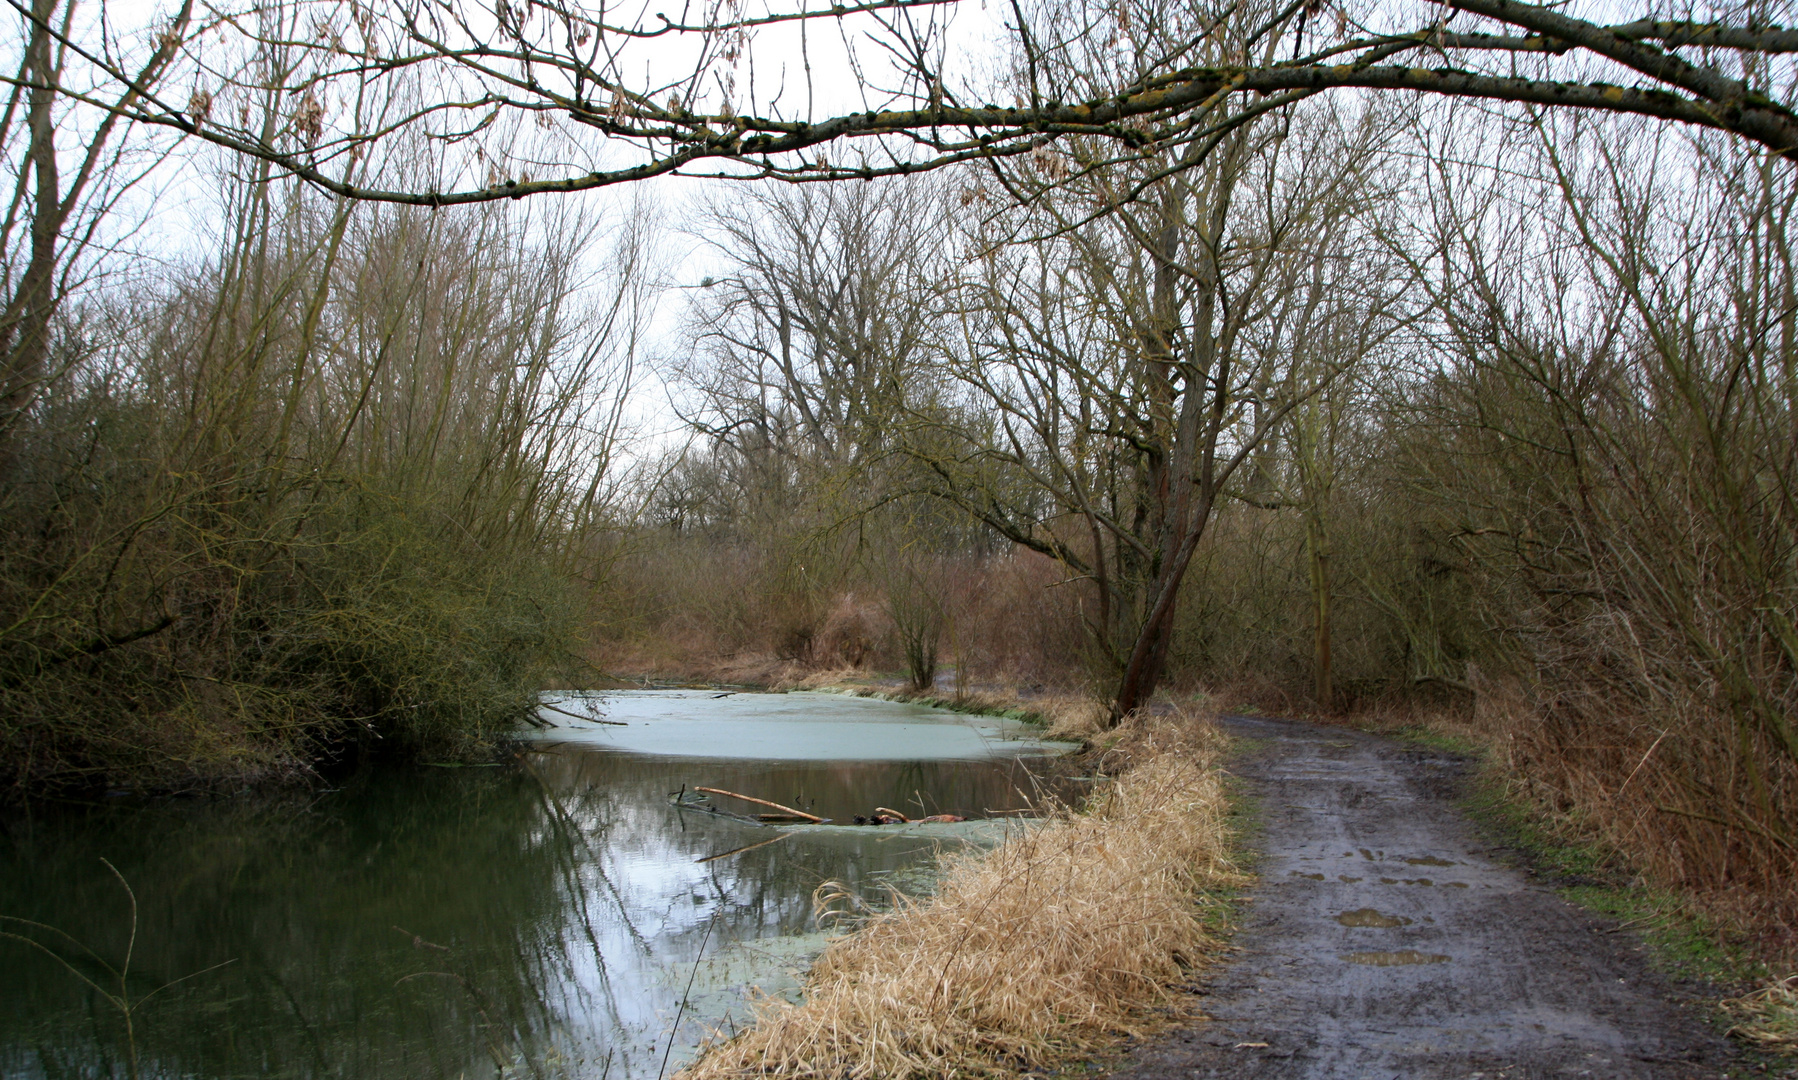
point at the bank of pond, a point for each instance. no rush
(568, 914)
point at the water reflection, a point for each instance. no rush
(539, 920)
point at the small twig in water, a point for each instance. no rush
(745, 847)
(688, 992)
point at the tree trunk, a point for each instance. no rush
(25, 324)
(1320, 601)
(1148, 656)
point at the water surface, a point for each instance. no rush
(546, 918)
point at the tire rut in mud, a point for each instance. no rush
(1387, 939)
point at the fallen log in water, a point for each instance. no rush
(683, 800)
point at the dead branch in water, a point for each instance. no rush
(582, 716)
(745, 847)
(813, 818)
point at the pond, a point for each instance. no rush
(558, 917)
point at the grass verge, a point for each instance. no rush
(1056, 943)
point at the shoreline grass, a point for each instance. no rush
(1057, 943)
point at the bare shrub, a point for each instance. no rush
(232, 542)
(850, 634)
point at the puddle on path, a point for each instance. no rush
(1368, 917)
(1394, 958)
(1431, 860)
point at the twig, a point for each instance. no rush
(688, 992)
(745, 847)
(1745, 826)
(1639, 764)
(707, 808)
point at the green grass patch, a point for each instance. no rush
(1430, 739)
(1247, 824)
(1682, 942)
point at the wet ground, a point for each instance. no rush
(1387, 939)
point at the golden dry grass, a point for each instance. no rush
(1065, 935)
(1768, 1017)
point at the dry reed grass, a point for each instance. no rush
(1769, 1016)
(1062, 936)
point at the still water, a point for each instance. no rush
(552, 918)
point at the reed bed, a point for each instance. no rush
(1063, 937)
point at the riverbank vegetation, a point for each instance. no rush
(1064, 937)
(326, 486)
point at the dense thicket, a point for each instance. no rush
(332, 486)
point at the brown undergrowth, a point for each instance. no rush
(1065, 937)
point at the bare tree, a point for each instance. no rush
(1134, 359)
(809, 343)
(63, 187)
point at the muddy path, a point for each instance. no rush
(1387, 939)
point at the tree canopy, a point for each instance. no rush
(612, 98)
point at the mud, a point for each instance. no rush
(1351, 966)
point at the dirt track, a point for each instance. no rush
(1387, 940)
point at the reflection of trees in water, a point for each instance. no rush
(305, 895)
(549, 914)
(634, 786)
